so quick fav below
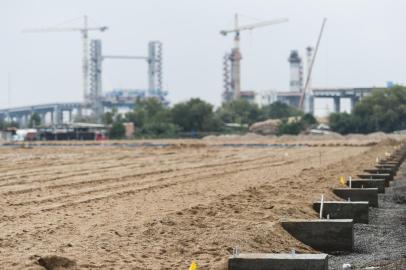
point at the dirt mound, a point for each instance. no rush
(57, 263)
(269, 126)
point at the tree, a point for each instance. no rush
(239, 111)
(384, 110)
(296, 125)
(278, 110)
(35, 120)
(308, 120)
(156, 129)
(195, 115)
(147, 111)
(291, 128)
(117, 130)
(108, 117)
(4, 124)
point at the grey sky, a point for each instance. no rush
(364, 44)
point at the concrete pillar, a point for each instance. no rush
(70, 116)
(354, 101)
(21, 121)
(337, 101)
(52, 118)
(80, 112)
(57, 115)
(42, 115)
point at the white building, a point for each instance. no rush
(266, 97)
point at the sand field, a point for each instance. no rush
(117, 207)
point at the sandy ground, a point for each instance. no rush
(160, 208)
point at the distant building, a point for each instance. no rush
(267, 97)
(248, 95)
(124, 99)
(73, 131)
(289, 98)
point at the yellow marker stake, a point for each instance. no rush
(342, 180)
(193, 266)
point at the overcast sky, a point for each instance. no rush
(363, 45)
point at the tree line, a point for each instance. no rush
(195, 116)
(383, 110)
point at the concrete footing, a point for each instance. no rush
(359, 194)
(259, 261)
(323, 234)
(386, 176)
(387, 166)
(395, 165)
(383, 170)
(380, 184)
(357, 211)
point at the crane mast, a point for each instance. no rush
(234, 83)
(305, 95)
(85, 60)
(84, 31)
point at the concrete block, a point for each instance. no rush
(390, 163)
(323, 234)
(264, 261)
(386, 166)
(380, 184)
(357, 211)
(382, 170)
(359, 194)
(376, 176)
(391, 167)
(385, 176)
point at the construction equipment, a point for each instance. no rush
(305, 95)
(153, 59)
(85, 35)
(235, 57)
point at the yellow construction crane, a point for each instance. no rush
(235, 57)
(85, 36)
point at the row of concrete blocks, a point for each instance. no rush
(332, 234)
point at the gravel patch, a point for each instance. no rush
(381, 244)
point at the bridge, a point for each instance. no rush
(337, 94)
(52, 113)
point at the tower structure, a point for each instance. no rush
(235, 59)
(308, 100)
(85, 60)
(296, 72)
(154, 68)
(153, 59)
(235, 56)
(95, 89)
(309, 55)
(228, 91)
